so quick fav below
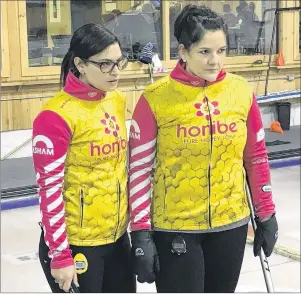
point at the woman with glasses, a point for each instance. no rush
(79, 154)
(201, 132)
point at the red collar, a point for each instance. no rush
(182, 76)
(77, 88)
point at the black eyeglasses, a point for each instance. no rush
(107, 66)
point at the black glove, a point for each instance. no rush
(144, 256)
(265, 236)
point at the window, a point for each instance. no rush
(136, 24)
(250, 26)
(51, 23)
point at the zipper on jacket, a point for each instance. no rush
(209, 168)
(118, 212)
(81, 207)
(244, 189)
(165, 196)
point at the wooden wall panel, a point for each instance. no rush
(273, 86)
(19, 114)
(298, 83)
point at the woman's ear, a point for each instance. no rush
(182, 52)
(79, 64)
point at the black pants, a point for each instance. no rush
(109, 267)
(211, 264)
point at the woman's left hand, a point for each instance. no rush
(266, 236)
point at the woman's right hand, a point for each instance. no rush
(64, 276)
(144, 256)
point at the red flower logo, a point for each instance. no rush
(207, 108)
(111, 125)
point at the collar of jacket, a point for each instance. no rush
(180, 75)
(77, 88)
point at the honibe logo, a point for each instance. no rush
(215, 126)
(42, 145)
(206, 108)
(134, 130)
(111, 125)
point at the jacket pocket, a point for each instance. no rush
(81, 199)
(118, 206)
(245, 193)
(118, 194)
(158, 198)
(164, 191)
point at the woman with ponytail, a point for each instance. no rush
(201, 136)
(79, 155)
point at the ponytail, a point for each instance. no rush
(86, 41)
(67, 64)
(194, 21)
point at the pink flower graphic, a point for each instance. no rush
(111, 125)
(207, 109)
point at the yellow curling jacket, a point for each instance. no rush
(194, 136)
(79, 151)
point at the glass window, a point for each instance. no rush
(136, 23)
(51, 23)
(250, 25)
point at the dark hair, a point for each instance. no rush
(238, 9)
(243, 4)
(226, 8)
(116, 11)
(193, 22)
(252, 6)
(86, 41)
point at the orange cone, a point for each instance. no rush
(279, 58)
(276, 127)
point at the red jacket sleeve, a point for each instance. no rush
(51, 137)
(256, 164)
(142, 149)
